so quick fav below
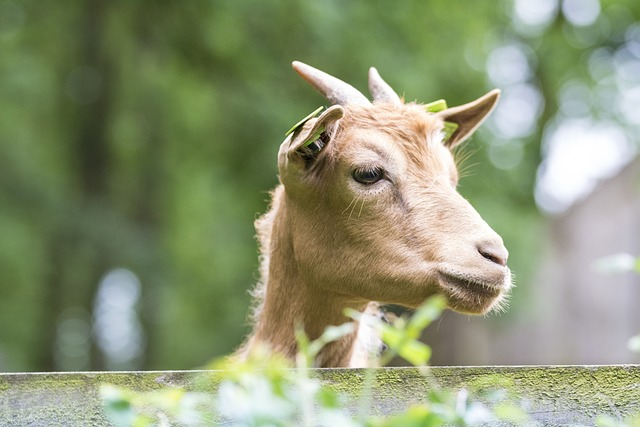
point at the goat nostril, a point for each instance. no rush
(493, 258)
(493, 253)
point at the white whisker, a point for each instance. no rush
(347, 208)
(361, 206)
(357, 199)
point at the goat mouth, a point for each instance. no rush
(468, 294)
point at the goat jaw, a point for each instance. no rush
(474, 295)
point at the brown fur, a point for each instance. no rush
(329, 242)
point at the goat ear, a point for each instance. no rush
(468, 117)
(307, 140)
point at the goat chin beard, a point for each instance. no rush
(471, 295)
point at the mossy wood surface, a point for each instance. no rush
(554, 395)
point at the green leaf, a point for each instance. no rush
(436, 106)
(415, 416)
(328, 398)
(392, 336)
(303, 121)
(314, 137)
(306, 351)
(449, 129)
(409, 348)
(402, 337)
(415, 352)
(511, 413)
(429, 311)
(334, 333)
(117, 405)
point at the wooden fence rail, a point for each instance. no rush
(552, 395)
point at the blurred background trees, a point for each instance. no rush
(138, 141)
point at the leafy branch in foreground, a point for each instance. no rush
(265, 391)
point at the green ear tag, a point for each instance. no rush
(303, 121)
(435, 106)
(441, 105)
(449, 129)
(313, 137)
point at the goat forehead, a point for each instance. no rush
(408, 127)
(410, 122)
(415, 147)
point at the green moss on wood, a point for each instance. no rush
(553, 395)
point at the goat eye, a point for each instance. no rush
(368, 176)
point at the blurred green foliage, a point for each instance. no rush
(143, 135)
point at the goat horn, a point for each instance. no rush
(380, 90)
(335, 90)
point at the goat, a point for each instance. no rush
(367, 211)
